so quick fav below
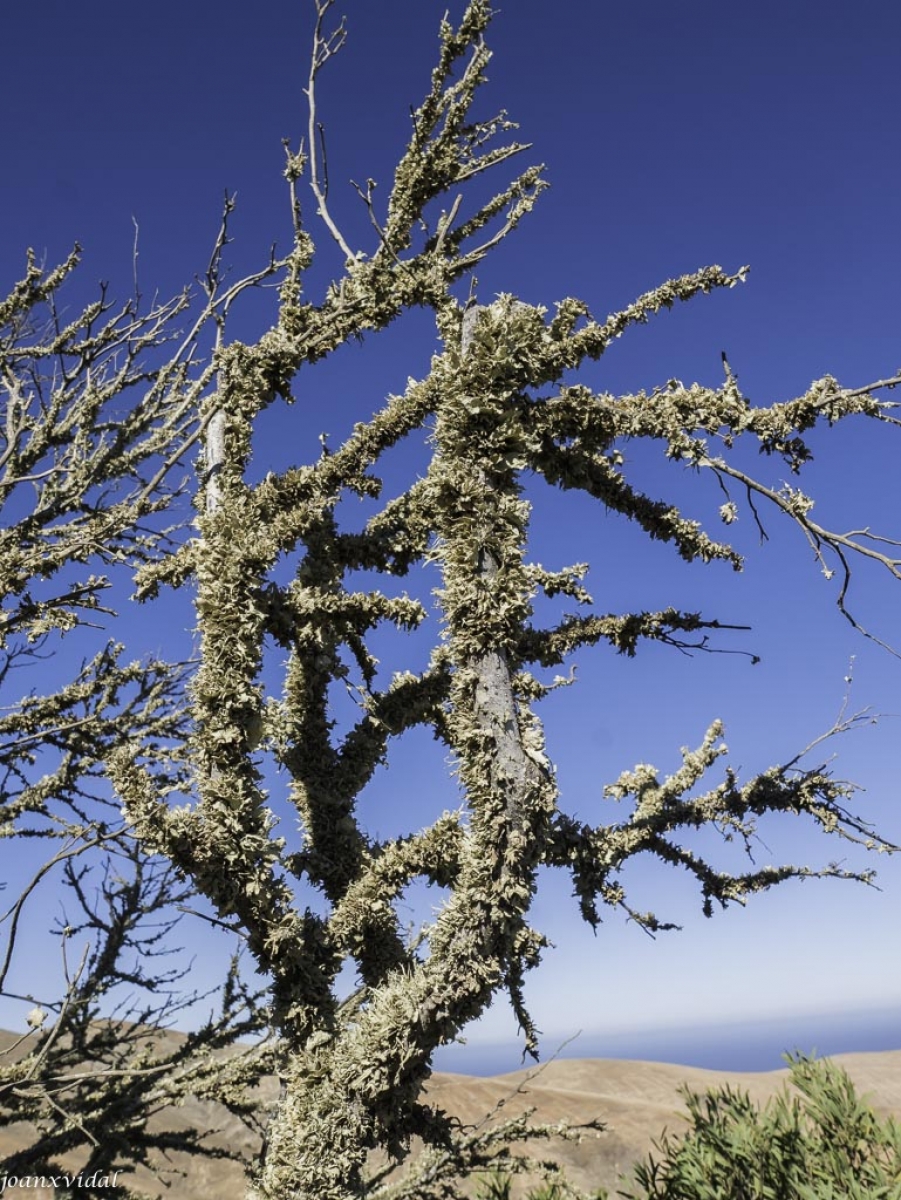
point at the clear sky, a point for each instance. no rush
(674, 136)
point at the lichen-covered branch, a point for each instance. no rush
(98, 413)
(665, 810)
(280, 565)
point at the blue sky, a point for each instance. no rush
(674, 136)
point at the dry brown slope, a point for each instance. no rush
(634, 1099)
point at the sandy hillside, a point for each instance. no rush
(634, 1099)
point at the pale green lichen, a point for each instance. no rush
(355, 1070)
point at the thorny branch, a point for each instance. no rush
(275, 565)
(96, 414)
(353, 1074)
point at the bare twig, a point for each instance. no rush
(796, 506)
(324, 46)
(72, 850)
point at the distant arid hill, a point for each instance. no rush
(635, 1100)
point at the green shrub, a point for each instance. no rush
(495, 1186)
(830, 1145)
(824, 1145)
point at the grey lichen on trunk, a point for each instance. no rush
(496, 410)
(495, 708)
(358, 1087)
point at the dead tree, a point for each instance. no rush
(497, 408)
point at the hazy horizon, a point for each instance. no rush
(674, 137)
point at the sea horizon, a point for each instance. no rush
(749, 1044)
